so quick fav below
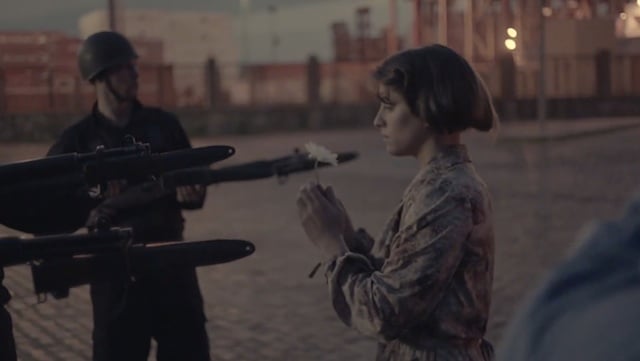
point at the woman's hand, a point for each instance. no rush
(323, 220)
(348, 232)
(114, 188)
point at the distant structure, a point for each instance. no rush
(480, 28)
(629, 21)
(189, 39)
(39, 72)
(362, 46)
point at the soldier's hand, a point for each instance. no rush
(101, 216)
(191, 197)
(114, 188)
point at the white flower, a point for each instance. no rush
(321, 154)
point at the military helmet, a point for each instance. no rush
(102, 51)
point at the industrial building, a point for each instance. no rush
(189, 39)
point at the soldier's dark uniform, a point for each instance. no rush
(167, 307)
(7, 343)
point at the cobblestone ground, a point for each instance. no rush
(265, 308)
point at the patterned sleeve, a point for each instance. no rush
(361, 242)
(423, 258)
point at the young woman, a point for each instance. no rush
(423, 288)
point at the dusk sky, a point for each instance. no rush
(303, 26)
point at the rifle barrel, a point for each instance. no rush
(155, 164)
(248, 171)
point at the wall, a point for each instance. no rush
(571, 37)
(189, 39)
(251, 120)
(60, 90)
(233, 120)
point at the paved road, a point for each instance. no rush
(265, 308)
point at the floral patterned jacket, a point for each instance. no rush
(423, 289)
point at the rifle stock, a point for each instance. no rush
(16, 250)
(75, 174)
(279, 167)
(57, 275)
(55, 165)
(51, 195)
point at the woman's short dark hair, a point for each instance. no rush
(440, 87)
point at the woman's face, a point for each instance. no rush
(402, 132)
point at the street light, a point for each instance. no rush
(510, 44)
(510, 41)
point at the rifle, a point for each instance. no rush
(18, 250)
(280, 167)
(90, 169)
(33, 192)
(60, 262)
(27, 170)
(57, 276)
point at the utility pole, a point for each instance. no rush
(468, 30)
(542, 103)
(111, 13)
(417, 23)
(245, 6)
(443, 12)
(392, 34)
(275, 39)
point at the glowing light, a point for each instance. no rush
(514, 33)
(510, 44)
(623, 16)
(546, 11)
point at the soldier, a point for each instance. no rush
(7, 343)
(423, 288)
(587, 308)
(166, 307)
